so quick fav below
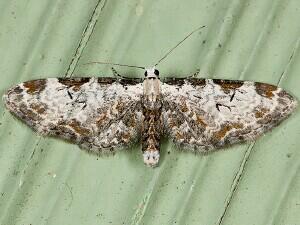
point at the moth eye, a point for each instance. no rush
(156, 72)
(146, 74)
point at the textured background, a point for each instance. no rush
(48, 181)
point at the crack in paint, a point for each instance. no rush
(236, 181)
(87, 33)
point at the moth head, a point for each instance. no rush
(151, 73)
(151, 158)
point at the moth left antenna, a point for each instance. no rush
(179, 43)
(115, 64)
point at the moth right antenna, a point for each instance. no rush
(171, 50)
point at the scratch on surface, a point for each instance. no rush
(236, 182)
(71, 194)
(85, 36)
(28, 162)
(289, 61)
(261, 36)
(223, 36)
(142, 207)
(180, 213)
(279, 205)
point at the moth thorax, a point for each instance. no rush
(151, 87)
(152, 93)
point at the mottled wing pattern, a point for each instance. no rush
(98, 114)
(204, 114)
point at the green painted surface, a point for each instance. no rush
(48, 181)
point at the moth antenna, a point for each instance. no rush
(115, 64)
(179, 43)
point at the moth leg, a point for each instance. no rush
(119, 76)
(173, 79)
(195, 74)
(126, 80)
(116, 74)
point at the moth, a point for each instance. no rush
(103, 114)
(107, 113)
